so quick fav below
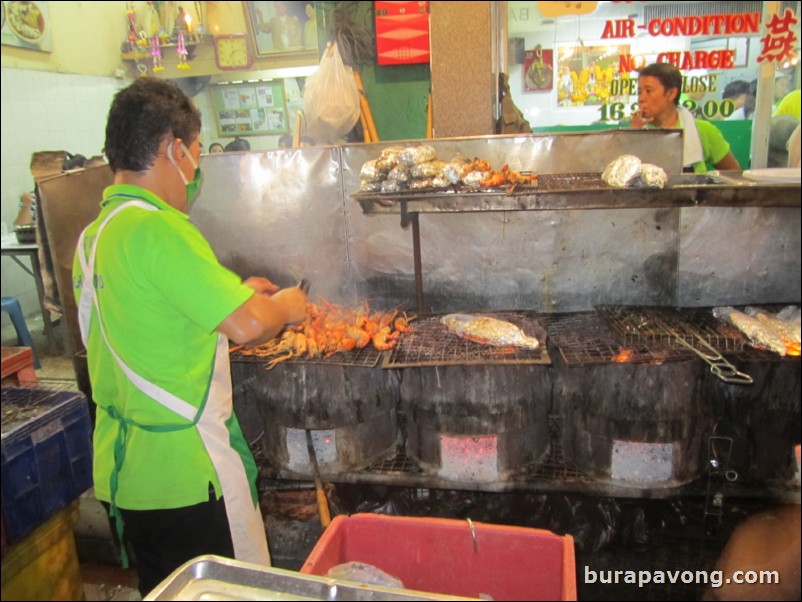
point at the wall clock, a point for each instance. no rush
(232, 52)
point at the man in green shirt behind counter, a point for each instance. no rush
(156, 311)
(659, 86)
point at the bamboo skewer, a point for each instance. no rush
(429, 123)
(296, 135)
(365, 132)
(363, 103)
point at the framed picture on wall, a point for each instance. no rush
(283, 27)
(585, 74)
(27, 25)
(538, 70)
(250, 108)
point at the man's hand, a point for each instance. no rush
(262, 286)
(639, 120)
(293, 300)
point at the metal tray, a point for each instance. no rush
(216, 578)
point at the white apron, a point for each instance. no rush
(244, 517)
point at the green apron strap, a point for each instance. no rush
(119, 459)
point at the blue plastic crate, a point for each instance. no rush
(46, 455)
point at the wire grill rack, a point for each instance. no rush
(429, 343)
(367, 357)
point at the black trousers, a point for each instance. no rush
(163, 540)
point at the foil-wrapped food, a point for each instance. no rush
(474, 179)
(392, 186)
(759, 333)
(454, 169)
(488, 331)
(365, 186)
(653, 176)
(430, 169)
(623, 171)
(399, 173)
(417, 167)
(628, 171)
(370, 172)
(388, 158)
(421, 183)
(414, 155)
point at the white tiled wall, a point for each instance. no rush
(44, 111)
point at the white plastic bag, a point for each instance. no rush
(331, 99)
(364, 573)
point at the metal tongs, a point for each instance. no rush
(719, 366)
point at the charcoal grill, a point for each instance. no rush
(701, 335)
(651, 409)
(475, 413)
(632, 416)
(347, 402)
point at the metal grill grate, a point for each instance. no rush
(661, 326)
(585, 338)
(431, 344)
(545, 183)
(571, 181)
(359, 358)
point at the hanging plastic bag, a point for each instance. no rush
(331, 99)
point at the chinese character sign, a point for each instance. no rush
(779, 43)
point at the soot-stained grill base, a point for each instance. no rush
(351, 413)
(550, 475)
(476, 423)
(762, 421)
(755, 426)
(636, 425)
(475, 412)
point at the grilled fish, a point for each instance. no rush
(488, 331)
(759, 333)
(790, 331)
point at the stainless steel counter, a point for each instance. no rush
(574, 192)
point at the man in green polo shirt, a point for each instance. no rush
(659, 86)
(156, 311)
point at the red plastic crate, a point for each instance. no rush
(438, 555)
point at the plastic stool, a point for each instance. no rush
(12, 307)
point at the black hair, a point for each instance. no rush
(668, 75)
(139, 119)
(215, 144)
(238, 144)
(735, 88)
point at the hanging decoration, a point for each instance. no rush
(181, 49)
(132, 32)
(156, 53)
(538, 70)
